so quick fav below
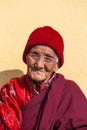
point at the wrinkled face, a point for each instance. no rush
(41, 63)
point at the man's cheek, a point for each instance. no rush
(29, 64)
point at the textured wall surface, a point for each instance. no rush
(19, 17)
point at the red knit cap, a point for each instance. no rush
(46, 36)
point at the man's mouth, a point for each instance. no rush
(38, 70)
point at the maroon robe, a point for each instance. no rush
(62, 106)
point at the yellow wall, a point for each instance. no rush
(19, 17)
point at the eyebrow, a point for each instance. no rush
(35, 52)
(48, 55)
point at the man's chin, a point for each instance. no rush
(38, 79)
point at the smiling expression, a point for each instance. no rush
(41, 63)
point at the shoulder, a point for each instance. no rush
(14, 84)
(73, 87)
(14, 89)
(70, 87)
(74, 90)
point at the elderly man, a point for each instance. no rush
(43, 99)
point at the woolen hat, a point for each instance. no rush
(46, 36)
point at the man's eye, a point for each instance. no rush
(34, 55)
(48, 59)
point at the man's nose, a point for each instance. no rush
(40, 62)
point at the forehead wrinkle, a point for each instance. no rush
(45, 50)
